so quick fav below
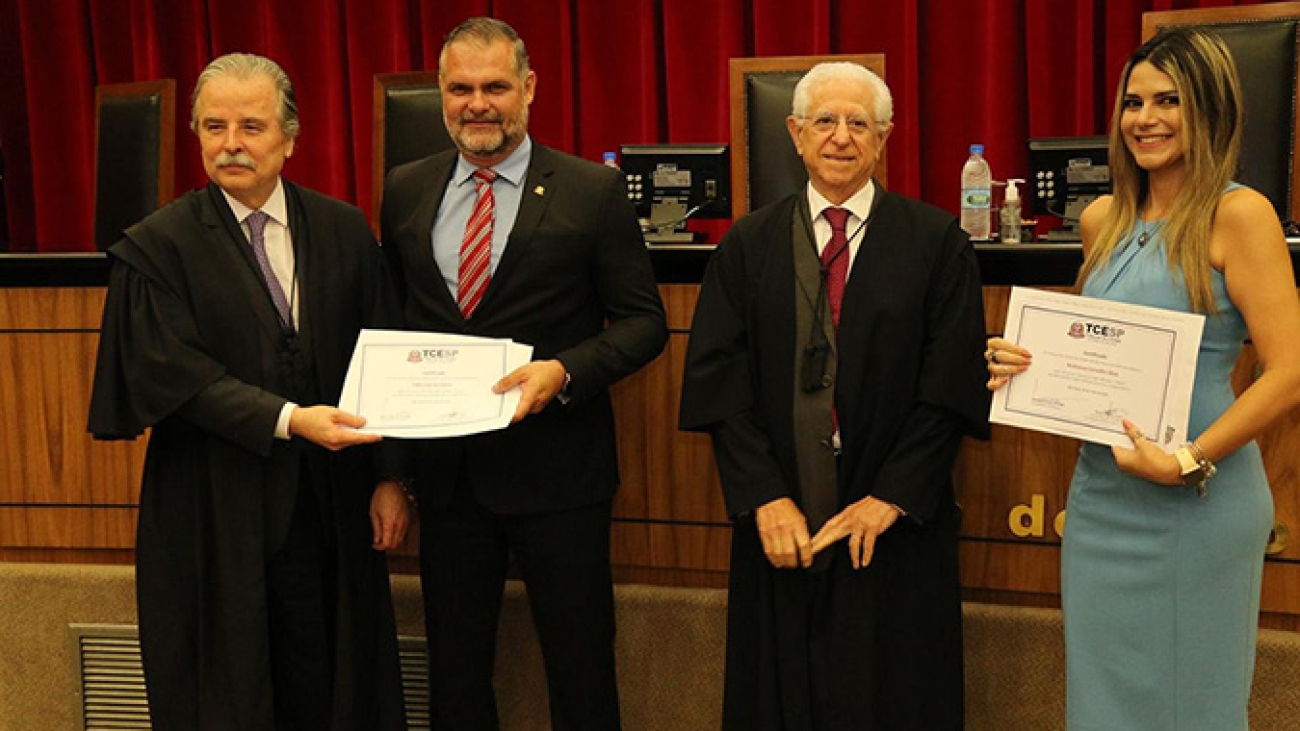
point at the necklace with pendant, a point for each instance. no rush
(1148, 230)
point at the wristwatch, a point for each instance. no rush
(563, 394)
(1194, 468)
(1192, 471)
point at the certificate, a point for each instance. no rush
(426, 385)
(1097, 362)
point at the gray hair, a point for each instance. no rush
(843, 71)
(485, 31)
(248, 66)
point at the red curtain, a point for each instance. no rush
(635, 71)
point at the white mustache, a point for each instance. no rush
(240, 159)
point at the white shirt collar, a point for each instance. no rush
(858, 204)
(276, 207)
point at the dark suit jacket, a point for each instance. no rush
(575, 283)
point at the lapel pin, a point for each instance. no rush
(539, 190)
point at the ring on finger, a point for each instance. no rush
(991, 355)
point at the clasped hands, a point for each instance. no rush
(784, 531)
(1007, 360)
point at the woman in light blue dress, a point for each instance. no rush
(1163, 552)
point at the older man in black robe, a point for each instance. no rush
(835, 358)
(263, 602)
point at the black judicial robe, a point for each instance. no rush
(878, 648)
(191, 347)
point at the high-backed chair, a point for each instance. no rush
(407, 124)
(135, 154)
(764, 165)
(1263, 41)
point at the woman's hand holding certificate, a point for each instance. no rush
(1094, 364)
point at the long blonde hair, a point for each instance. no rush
(1210, 106)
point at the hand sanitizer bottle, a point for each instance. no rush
(1010, 230)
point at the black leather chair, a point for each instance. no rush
(1263, 41)
(407, 124)
(135, 147)
(764, 165)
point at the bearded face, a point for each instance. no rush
(485, 100)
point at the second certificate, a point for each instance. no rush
(1097, 362)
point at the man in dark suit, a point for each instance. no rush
(506, 238)
(835, 359)
(263, 604)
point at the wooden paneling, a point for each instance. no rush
(996, 302)
(56, 526)
(115, 556)
(1286, 622)
(667, 474)
(1012, 489)
(1009, 470)
(47, 456)
(59, 308)
(670, 546)
(670, 525)
(1005, 566)
(62, 495)
(1281, 447)
(679, 304)
(1281, 587)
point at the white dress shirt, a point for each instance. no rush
(279, 251)
(858, 206)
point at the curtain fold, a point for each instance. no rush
(639, 71)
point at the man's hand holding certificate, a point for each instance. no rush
(425, 385)
(1096, 363)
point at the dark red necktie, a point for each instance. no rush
(476, 248)
(835, 257)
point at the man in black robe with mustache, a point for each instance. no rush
(263, 593)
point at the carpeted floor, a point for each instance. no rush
(670, 653)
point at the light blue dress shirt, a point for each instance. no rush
(458, 203)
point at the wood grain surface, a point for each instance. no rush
(65, 497)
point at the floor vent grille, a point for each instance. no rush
(112, 679)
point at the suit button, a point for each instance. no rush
(827, 381)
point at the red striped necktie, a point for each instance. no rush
(476, 248)
(835, 258)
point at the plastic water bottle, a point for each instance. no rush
(976, 194)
